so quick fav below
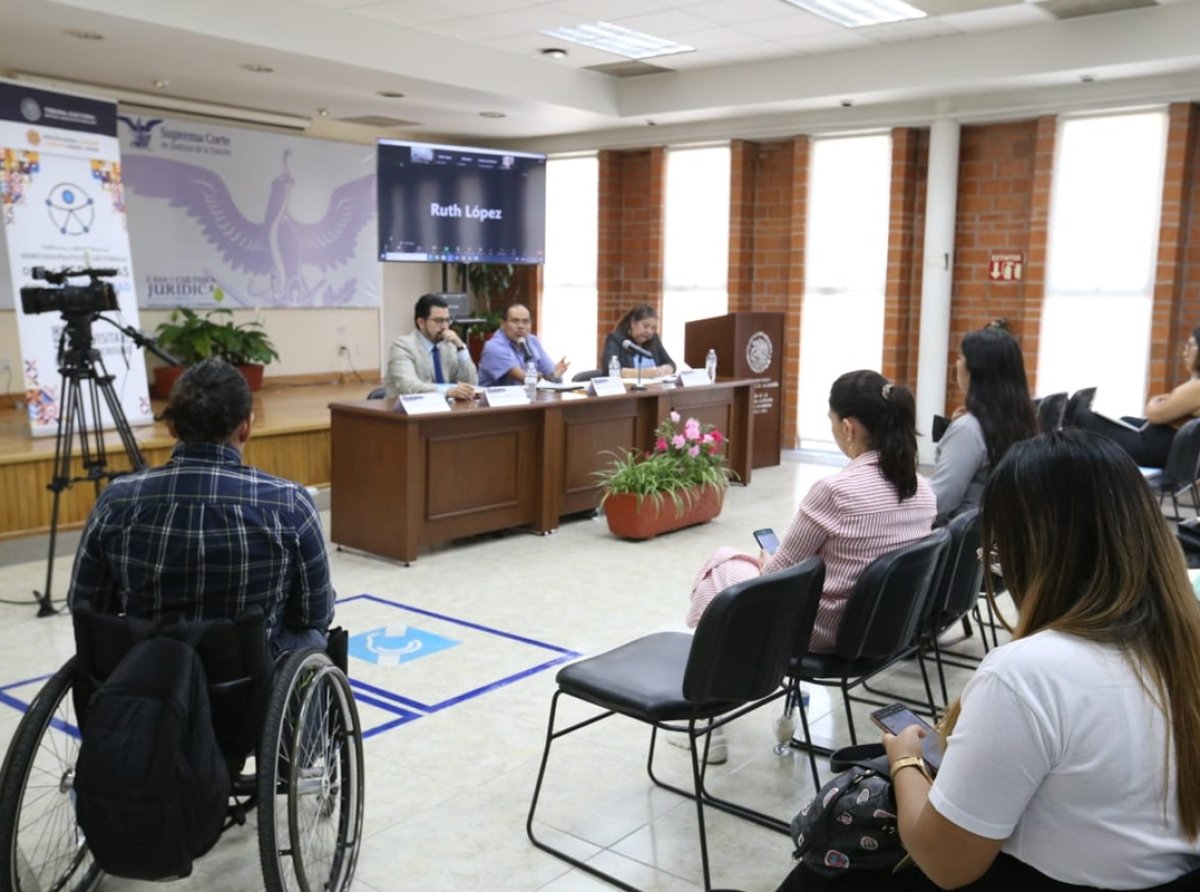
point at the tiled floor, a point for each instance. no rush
(447, 791)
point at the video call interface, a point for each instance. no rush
(456, 204)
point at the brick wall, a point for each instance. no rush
(630, 238)
(906, 242)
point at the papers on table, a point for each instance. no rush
(543, 384)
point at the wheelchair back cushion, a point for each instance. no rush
(151, 783)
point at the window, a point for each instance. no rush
(696, 243)
(568, 317)
(845, 270)
(1100, 260)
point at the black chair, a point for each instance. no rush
(956, 593)
(676, 682)
(879, 626)
(1181, 471)
(1050, 411)
(1080, 401)
(377, 394)
(589, 375)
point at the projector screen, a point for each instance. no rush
(453, 203)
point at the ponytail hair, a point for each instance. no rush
(889, 414)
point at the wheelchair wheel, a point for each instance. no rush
(41, 846)
(310, 778)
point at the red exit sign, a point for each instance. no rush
(1006, 266)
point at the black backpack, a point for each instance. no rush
(151, 784)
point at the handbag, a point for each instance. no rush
(851, 823)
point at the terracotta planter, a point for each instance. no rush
(634, 517)
(165, 377)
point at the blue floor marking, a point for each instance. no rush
(21, 706)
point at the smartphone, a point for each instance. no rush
(767, 540)
(897, 717)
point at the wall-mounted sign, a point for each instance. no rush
(1006, 266)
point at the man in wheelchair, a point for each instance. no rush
(205, 536)
(200, 599)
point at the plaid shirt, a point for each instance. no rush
(205, 537)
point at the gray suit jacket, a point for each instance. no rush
(410, 365)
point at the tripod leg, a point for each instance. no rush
(62, 479)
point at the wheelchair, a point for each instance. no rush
(294, 718)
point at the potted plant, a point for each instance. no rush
(190, 337)
(679, 483)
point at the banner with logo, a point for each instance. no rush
(271, 220)
(63, 208)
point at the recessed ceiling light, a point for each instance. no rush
(615, 39)
(390, 94)
(492, 114)
(323, 112)
(554, 52)
(159, 83)
(258, 69)
(80, 34)
(860, 13)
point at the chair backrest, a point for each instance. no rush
(377, 394)
(1080, 401)
(748, 632)
(1050, 411)
(589, 375)
(233, 651)
(1183, 460)
(957, 587)
(888, 601)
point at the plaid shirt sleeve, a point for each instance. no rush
(310, 600)
(92, 581)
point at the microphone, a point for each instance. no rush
(524, 349)
(629, 345)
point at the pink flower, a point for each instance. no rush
(707, 438)
(660, 445)
(692, 429)
(674, 418)
(694, 451)
(718, 437)
(678, 441)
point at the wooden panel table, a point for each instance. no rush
(404, 482)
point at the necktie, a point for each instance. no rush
(438, 375)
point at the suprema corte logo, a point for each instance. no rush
(31, 109)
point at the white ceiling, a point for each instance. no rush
(760, 66)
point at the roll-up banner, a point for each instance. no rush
(63, 207)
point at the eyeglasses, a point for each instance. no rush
(440, 320)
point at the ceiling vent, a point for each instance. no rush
(632, 68)
(382, 122)
(1077, 9)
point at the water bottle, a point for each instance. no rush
(614, 367)
(710, 365)
(531, 378)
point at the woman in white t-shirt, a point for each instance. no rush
(1074, 752)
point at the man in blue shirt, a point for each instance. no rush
(432, 357)
(205, 536)
(505, 354)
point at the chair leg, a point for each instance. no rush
(849, 714)
(698, 786)
(812, 758)
(933, 711)
(937, 656)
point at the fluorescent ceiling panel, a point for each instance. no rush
(615, 39)
(860, 13)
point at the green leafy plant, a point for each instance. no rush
(687, 456)
(487, 281)
(190, 337)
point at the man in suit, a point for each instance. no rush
(432, 357)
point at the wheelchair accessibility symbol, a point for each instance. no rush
(393, 645)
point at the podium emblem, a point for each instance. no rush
(758, 352)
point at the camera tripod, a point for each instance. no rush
(85, 382)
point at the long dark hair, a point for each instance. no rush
(1086, 551)
(636, 314)
(998, 393)
(889, 413)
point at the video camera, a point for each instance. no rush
(94, 297)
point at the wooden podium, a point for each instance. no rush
(748, 345)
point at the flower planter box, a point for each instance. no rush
(643, 517)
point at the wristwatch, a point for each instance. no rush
(911, 762)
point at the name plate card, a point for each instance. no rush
(506, 396)
(608, 386)
(694, 378)
(422, 403)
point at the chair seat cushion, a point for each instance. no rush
(643, 679)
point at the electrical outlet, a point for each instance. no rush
(5, 364)
(343, 350)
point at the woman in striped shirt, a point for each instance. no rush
(874, 505)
